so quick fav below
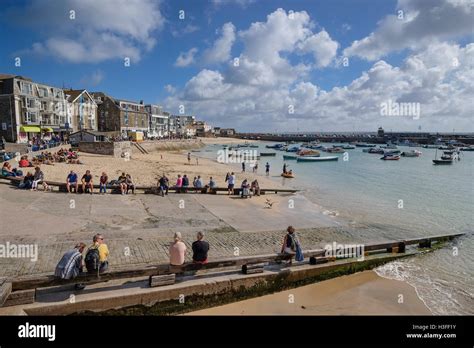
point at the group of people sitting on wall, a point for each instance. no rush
(96, 258)
(247, 189)
(182, 184)
(124, 182)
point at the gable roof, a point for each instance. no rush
(74, 94)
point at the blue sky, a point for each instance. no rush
(57, 50)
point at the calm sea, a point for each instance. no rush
(399, 199)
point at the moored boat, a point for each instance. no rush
(290, 157)
(442, 161)
(267, 154)
(376, 150)
(308, 152)
(348, 147)
(335, 150)
(316, 159)
(412, 153)
(390, 158)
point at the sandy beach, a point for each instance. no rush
(146, 169)
(362, 293)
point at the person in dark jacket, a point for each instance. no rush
(200, 249)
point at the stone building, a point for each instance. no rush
(120, 116)
(29, 109)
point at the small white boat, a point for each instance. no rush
(412, 153)
(316, 159)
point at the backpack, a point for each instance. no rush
(92, 260)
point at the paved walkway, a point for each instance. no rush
(138, 228)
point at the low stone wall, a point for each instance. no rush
(172, 145)
(116, 149)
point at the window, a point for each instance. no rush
(31, 117)
(26, 88)
(30, 103)
(43, 92)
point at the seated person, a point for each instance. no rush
(163, 184)
(7, 170)
(255, 188)
(245, 189)
(200, 249)
(87, 182)
(24, 162)
(130, 184)
(27, 181)
(122, 180)
(71, 181)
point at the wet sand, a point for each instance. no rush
(363, 293)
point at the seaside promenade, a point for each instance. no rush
(139, 228)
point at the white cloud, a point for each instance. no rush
(186, 58)
(440, 78)
(322, 46)
(187, 29)
(421, 23)
(99, 31)
(220, 51)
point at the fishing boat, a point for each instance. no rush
(316, 159)
(364, 145)
(348, 147)
(468, 148)
(389, 147)
(335, 150)
(390, 158)
(293, 149)
(275, 146)
(429, 146)
(288, 175)
(267, 154)
(412, 153)
(391, 152)
(376, 150)
(308, 152)
(289, 157)
(445, 159)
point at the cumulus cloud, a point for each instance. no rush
(322, 46)
(414, 25)
(186, 58)
(94, 31)
(220, 51)
(439, 78)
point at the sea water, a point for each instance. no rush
(399, 199)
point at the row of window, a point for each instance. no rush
(27, 88)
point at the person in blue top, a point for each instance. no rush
(71, 181)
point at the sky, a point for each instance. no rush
(258, 65)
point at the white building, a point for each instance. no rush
(81, 110)
(159, 121)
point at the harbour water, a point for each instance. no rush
(398, 199)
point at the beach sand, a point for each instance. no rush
(146, 169)
(363, 293)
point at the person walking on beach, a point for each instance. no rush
(227, 177)
(212, 184)
(103, 181)
(71, 181)
(231, 183)
(197, 161)
(163, 183)
(70, 265)
(284, 168)
(243, 167)
(87, 182)
(189, 158)
(255, 167)
(177, 250)
(200, 249)
(267, 169)
(97, 255)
